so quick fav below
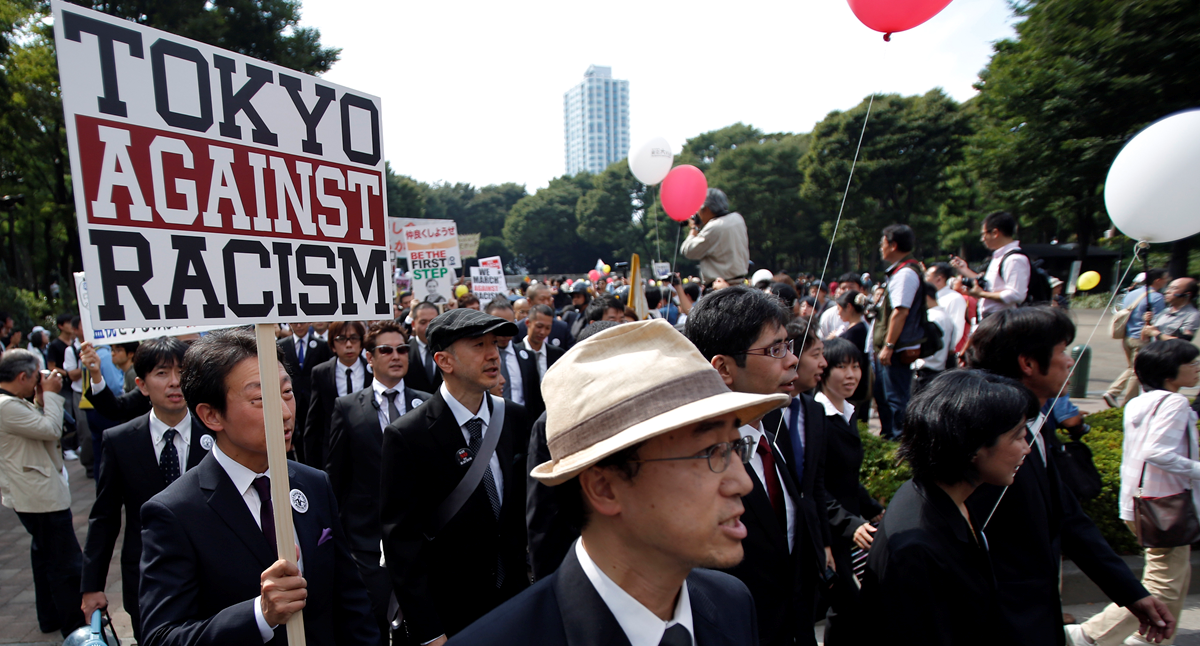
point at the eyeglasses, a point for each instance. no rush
(342, 338)
(775, 350)
(387, 350)
(723, 454)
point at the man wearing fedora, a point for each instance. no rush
(453, 505)
(649, 431)
(743, 333)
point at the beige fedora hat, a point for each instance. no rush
(628, 384)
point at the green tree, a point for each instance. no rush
(540, 230)
(405, 196)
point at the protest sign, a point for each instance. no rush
(433, 255)
(492, 262)
(468, 243)
(213, 188)
(487, 283)
(123, 335)
(396, 233)
(661, 269)
(437, 288)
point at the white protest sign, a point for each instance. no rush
(213, 188)
(492, 262)
(432, 257)
(487, 283)
(436, 289)
(468, 243)
(124, 335)
(396, 233)
(661, 269)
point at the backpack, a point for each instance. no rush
(1039, 290)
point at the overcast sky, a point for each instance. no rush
(472, 91)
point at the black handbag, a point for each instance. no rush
(1078, 470)
(1166, 521)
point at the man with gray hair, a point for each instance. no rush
(718, 239)
(32, 484)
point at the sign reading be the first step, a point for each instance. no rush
(214, 188)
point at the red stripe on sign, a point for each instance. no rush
(142, 177)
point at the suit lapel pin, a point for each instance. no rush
(299, 500)
(312, 343)
(206, 442)
(524, 354)
(464, 456)
(556, 342)
(416, 402)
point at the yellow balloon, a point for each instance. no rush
(460, 291)
(1088, 280)
(607, 269)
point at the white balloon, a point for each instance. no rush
(651, 163)
(1153, 188)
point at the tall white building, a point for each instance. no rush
(596, 121)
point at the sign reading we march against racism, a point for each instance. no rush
(213, 188)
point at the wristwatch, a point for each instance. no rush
(890, 346)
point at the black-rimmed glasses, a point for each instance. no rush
(775, 350)
(342, 338)
(723, 453)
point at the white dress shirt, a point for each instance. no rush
(303, 342)
(382, 401)
(831, 322)
(641, 627)
(1010, 281)
(182, 442)
(756, 463)
(516, 384)
(831, 411)
(937, 360)
(243, 481)
(540, 354)
(956, 309)
(357, 372)
(462, 416)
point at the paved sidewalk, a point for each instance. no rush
(1188, 630)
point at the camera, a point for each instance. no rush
(44, 374)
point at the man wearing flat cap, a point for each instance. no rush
(649, 431)
(453, 506)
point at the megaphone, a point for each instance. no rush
(93, 635)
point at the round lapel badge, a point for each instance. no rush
(556, 342)
(206, 442)
(312, 343)
(416, 402)
(524, 354)
(299, 500)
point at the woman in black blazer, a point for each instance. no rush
(929, 578)
(849, 504)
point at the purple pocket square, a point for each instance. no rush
(326, 534)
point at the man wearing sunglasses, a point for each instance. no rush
(352, 456)
(743, 334)
(649, 432)
(344, 374)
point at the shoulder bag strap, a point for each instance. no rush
(474, 476)
(1154, 412)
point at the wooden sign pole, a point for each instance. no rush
(268, 369)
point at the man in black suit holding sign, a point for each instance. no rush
(352, 457)
(209, 569)
(649, 431)
(140, 458)
(453, 509)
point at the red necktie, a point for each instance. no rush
(771, 481)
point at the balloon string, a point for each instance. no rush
(841, 209)
(657, 246)
(1107, 309)
(676, 256)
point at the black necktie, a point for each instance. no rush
(430, 368)
(797, 434)
(393, 412)
(504, 371)
(266, 512)
(168, 460)
(474, 428)
(676, 635)
(349, 382)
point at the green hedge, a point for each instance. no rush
(882, 473)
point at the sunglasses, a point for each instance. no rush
(342, 338)
(387, 350)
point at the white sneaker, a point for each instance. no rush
(70, 455)
(1076, 636)
(1136, 640)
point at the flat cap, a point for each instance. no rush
(465, 323)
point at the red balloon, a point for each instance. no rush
(890, 16)
(594, 275)
(683, 192)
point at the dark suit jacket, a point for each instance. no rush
(814, 500)
(416, 377)
(203, 553)
(565, 609)
(118, 408)
(316, 353)
(352, 460)
(850, 505)
(1037, 522)
(553, 515)
(531, 383)
(559, 331)
(448, 582)
(928, 579)
(129, 476)
(320, 407)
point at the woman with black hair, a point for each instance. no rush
(850, 505)
(1160, 459)
(852, 306)
(928, 578)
